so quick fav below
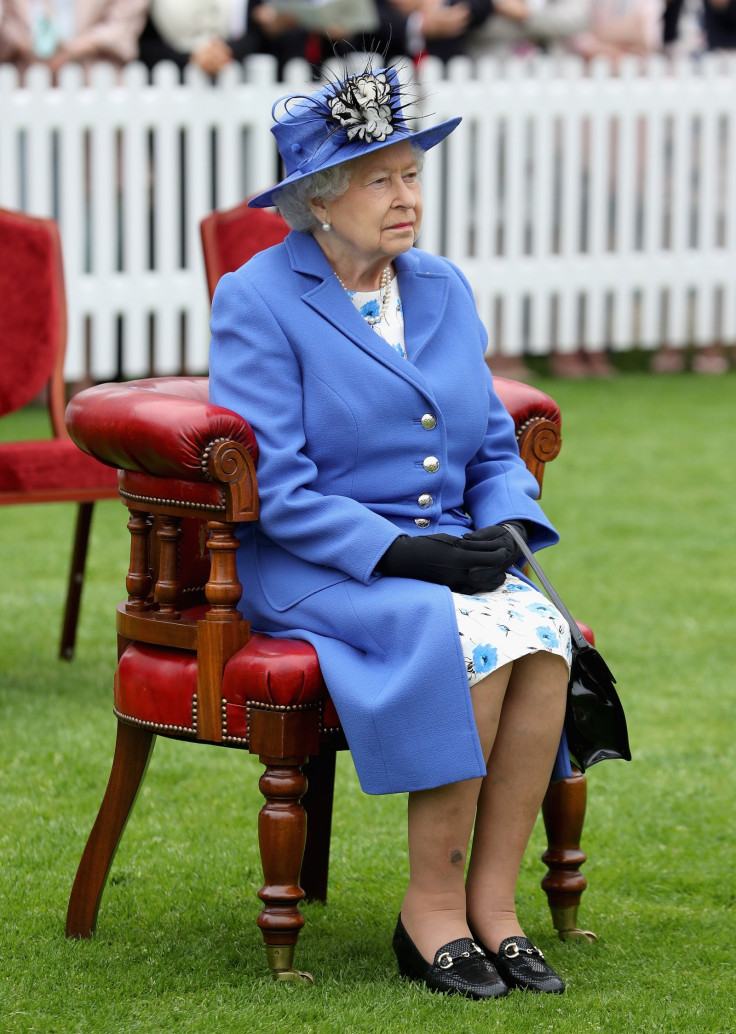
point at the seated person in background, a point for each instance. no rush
(417, 27)
(214, 34)
(517, 26)
(82, 31)
(618, 27)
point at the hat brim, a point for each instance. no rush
(425, 139)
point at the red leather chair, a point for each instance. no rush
(32, 347)
(189, 668)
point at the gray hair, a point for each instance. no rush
(292, 201)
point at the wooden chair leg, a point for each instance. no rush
(317, 803)
(132, 753)
(76, 580)
(282, 824)
(564, 814)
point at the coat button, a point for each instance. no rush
(429, 422)
(421, 522)
(425, 500)
(431, 464)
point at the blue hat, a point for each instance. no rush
(346, 119)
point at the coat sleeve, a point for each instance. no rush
(498, 485)
(254, 371)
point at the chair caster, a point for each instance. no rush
(565, 919)
(280, 959)
(578, 935)
(295, 976)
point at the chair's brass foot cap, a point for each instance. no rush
(565, 919)
(295, 976)
(577, 935)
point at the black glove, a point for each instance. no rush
(444, 560)
(495, 539)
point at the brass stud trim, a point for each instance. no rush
(134, 497)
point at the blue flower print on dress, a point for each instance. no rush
(498, 627)
(484, 658)
(547, 636)
(370, 309)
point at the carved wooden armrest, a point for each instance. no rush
(186, 472)
(538, 423)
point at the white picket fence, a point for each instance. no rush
(587, 207)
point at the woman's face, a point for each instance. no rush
(380, 213)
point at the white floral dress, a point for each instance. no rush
(514, 620)
(391, 327)
(500, 626)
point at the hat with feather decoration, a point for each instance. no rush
(346, 119)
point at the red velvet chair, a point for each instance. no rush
(32, 347)
(189, 668)
(231, 236)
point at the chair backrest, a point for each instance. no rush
(32, 315)
(234, 235)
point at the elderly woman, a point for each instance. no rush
(387, 469)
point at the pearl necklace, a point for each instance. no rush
(385, 288)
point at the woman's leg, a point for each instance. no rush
(511, 794)
(440, 822)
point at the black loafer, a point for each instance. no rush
(522, 965)
(460, 967)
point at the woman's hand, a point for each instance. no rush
(514, 10)
(443, 21)
(212, 55)
(496, 540)
(464, 566)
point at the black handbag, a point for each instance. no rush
(595, 723)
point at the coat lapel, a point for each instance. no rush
(424, 299)
(423, 296)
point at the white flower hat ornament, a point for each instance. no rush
(346, 119)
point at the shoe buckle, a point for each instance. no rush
(447, 961)
(511, 951)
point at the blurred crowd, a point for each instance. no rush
(213, 33)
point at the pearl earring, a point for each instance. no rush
(326, 227)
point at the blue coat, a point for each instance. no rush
(344, 427)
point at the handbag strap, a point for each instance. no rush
(577, 636)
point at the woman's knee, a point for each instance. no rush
(487, 697)
(542, 673)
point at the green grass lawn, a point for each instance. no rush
(643, 494)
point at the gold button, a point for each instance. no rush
(421, 522)
(429, 422)
(431, 464)
(425, 500)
